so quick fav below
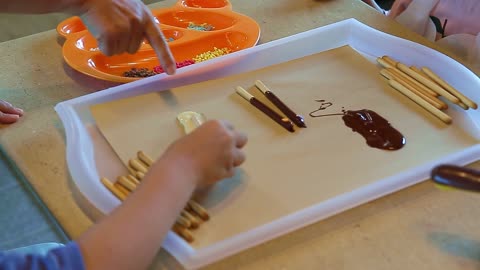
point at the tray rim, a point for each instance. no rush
(352, 29)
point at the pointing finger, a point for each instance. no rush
(160, 45)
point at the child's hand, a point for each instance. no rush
(121, 25)
(211, 152)
(8, 113)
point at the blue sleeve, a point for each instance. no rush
(62, 258)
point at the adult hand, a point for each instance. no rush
(211, 151)
(121, 25)
(398, 7)
(8, 113)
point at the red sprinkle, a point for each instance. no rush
(159, 69)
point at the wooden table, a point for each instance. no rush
(417, 228)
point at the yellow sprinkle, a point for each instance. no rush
(211, 54)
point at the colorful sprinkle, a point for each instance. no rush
(211, 54)
(145, 72)
(200, 27)
(159, 69)
(139, 73)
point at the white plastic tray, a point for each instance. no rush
(89, 155)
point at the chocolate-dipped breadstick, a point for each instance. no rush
(295, 118)
(283, 121)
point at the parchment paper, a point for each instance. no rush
(285, 172)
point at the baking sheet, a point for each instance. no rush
(285, 172)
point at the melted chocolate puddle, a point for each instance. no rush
(376, 130)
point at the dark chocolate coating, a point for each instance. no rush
(295, 118)
(376, 130)
(283, 121)
(456, 176)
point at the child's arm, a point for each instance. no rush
(130, 237)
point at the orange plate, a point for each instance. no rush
(231, 30)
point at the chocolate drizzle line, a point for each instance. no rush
(376, 130)
(323, 106)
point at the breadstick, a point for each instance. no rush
(399, 73)
(199, 210)
(433, 86)
(131, 170)
(184, 222)
(465, 100)
(414, 68)
(133, 179)
(389, 60)
(122, 189)
(194, 223)
(145, 158)
(126, 182)
(183, 232)
(109, 185)
(461, 104)
(140, 175)
(137, 165)
(387, 73)
(385, 63)
(439, 114)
